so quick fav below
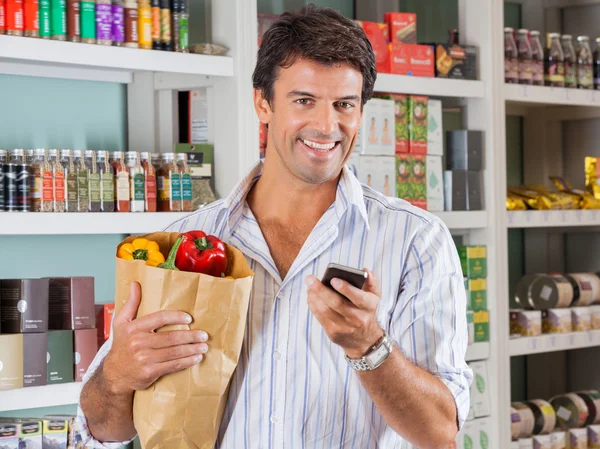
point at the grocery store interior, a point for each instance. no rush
(96, 116)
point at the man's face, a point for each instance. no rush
(314, 118)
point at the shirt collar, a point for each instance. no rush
(349, 193)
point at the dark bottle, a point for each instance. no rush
(585, 63)
(511, 57)
(570, 61)
(554, 67)
(597, 65)
(524, 47)
(537, 59)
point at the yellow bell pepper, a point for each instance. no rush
(142, 249)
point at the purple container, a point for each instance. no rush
(104, 21)
(118, 24)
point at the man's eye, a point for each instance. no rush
(345, 105)
(303, 101)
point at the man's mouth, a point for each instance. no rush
(321, 147)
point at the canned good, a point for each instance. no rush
(516, 424)
(14, 17)
(544, 415)
(544, 291)
(592, 401)
(527, 419)
(31, 18)
(571, 411)
(586, 287)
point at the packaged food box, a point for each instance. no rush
(403, 180)
(577, 438)
(594, 436)
(401, 122)
(104, 316)
(464, 150)
(55, 432)
(435, 128)
(526, 443)
(402, 27)
(473, 260)
(526, 323)
(387, 145)
(368, 171)
(411, 179)
(471, 326)
(412, 60)
(435, 184)
(418, 129)
(485, 429)
(371, 128)
(480, 395)
(71, 303)
(470, 434)
(30, 433)
(556, 321)
(542, 442)
(85, 342)
(9, 434)
(474, 191)
(595, 312)
(386, 175)
(378, 35)
(456, 61)
(60, 357)
(482, 326)
(581, 318)
(455, 190)
(23, 306)
(476, 294)
(559, 439)
(11, 360)
(35, 348)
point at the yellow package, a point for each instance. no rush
(515, 202)
(592, 176)
(586, 199)
(533, 199)
(560, 200)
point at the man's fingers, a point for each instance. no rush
(175, 338)
(178, 365)
(178, 352)
(372, 284)
(156, 320)
(129, 310)
(358, 298)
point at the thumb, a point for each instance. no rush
(372, 283)
(129, 310)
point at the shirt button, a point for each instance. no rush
(277, 355)
(274, 419)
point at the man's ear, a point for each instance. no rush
(262, 107)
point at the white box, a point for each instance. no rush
(199, 125)
(370, 129)
(515, 445)
(577, 438)
(470, 435)
(435, 131)
(387, 111)
(582, 319)
(480, 395)
(594, 437)
(595, 311)
(485, 429)
(526, 443)
(558, 439)
(386, 175)
(353, 163)
(435, 184)
(367, 171)
(542, 442)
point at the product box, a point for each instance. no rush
(353, 164)
(581, 318)
(72, 303)
(368, 171)
(526, 443)
(594, 437)
(455, 190)
(559, 439)
(60, 357)
(402, 123)
(104, 316)
(595, 312)
(30, 433)
(482, 326)
(412, 60)
(471, 326)
(23, 305)
(473, 261)
(515, 445)
(470, 434)
(11, 361)
(9, 434)
(55, 432)
(378, 35)
(34, 359)
(403, 169)
(198, 125)
(418, 181)
(577, 438)
(474, 191)
(480, 395)
(370, 129)
(476, 294)
(556, 321)
(418, 129)
(542, 442)
(387, 144)
(85, 343)
(464, 150)
(485, 429)
(456, 61)
(402, 27)
(386, 175)
(526, 323)
(435, 128)
(435, 184)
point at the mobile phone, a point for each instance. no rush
(352, 276)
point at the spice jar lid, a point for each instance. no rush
(509, 30)
(534, 32)
(553, 35)
(39, 152)
(77, 153)
(53, 153)
(101, 154)
(144, 155)
(182, 157)
(566, 37)
(523, 31)
(116, 154)
(583, 38)
(88, 153)
(29, 152)
(17, 152)
(168, 156)
(131, 154)
(65, 153)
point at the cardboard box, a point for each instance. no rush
(403, 181)
(35, 348)
(435, 128)
(594, 437)
(473, 261)
(30, 433)
(577, 438)
(581, 318)
(526, 443)
(198, 125)
(368, 171)
(595, 311)
(9, 434)
(474, 191)
(378, 35)
(542, 442)
(435, 184)
(482, 326)
(85, 343)
(412, 60)
(418, 174)
(558, 439)
(485, 429)
(402, 27)
(480, 395)
(402, 123)
(72, 303)
(464, 150)
(23, 305)
(55, 433)
(11, 361)
(387, 143)
(476, 294)
(417, 122)
(456, 61)
(455, 190)
(515, 445)
(60, 357)
(556, 321)
(386, 175)
(470, 434)
(526, 323)
(471, 326)
(104, 316)
(370, 129)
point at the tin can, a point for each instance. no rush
(145, 25)
(544, 416)
(73, 21)
(58, 19)
(544, 291)
(32, 23)
(131, 24)
(571, 411)
(586, 287)
(2, 16)
(11, 171)
(104, 22)
(118, 23)
(23, 187)
(44, 19)
(14, 17)
(88, 21)
(527, 419)
(156, 42)
(516, 425)
(592, 400)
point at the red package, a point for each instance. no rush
(31, 18)
(2, 16)
(402, 26)
(104, 315)
(14, 17)
(414, 60)
(378, 34)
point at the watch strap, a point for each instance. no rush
(366, 363)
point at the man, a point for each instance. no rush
(291, 217)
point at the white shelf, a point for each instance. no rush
(541, 95)
(36, 397)
(464, 220)
(85, 223)
(552, 218)
(554, 342)
(53, 59)
(478, 351)
(435, 87)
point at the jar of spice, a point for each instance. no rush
(47, 184)
(186, 183)
(150, 182)
(121, 182)
(137, 185)
(58, 178)
(107, 183)
(37, 165)
(83, 181)
(131, 23)
(156, 159)
(2, 162)
(169, 185)
(94, 180)
(29, 156)
(68, 162)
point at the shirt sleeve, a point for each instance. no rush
(80, 423)
(429, 323)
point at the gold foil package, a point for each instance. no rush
(586, 199)
(592, 176)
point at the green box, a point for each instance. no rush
(418, 127)
(403, 179)
(60, 357)
(471, 326)
(476, 294)
(401, 123)
(482, 326)
(473, 260)
(411, 182)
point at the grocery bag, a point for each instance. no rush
(184, 410)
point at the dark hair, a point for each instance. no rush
(318, 34)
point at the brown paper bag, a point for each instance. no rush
(184, 410)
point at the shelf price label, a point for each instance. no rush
(590, 337)
(524, 91)
(553, 341)
(532, 344)
(571, 340)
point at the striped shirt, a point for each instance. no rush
(292, 387)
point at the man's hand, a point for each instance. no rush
(352, 322)
(139, 355)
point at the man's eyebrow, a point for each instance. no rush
(349, 98)
(300, 93)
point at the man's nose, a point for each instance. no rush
(326, 120)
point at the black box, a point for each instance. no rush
(35, 350)
(24, 305)
(455, 61)
(474, 191)
(455, 190)
(464, 150)
(71, 303)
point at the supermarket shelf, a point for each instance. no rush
(35, 397)
(53, 59)
(540, 95)
(553, 218)
(554, 342)
(436, 87)
(85, 223)
(464, 220)
(478, 351)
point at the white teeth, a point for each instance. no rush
(319, 146)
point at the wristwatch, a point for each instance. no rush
(376, 356)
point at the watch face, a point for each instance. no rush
(378, 356)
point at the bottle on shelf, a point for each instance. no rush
(83, 181)
(2, 162)
(145, 24)
(94, 182)
(68, 161)
(118, 23)
(537, 59)
(14, 12)
(554, 67)
(166, 25)
(169, 185)
(104, 22)
(570, 61)
(47, 201)
(122, 196)
(525, 57)
(31, 11)
(511, 57)
(88, 21)
(185, 172)
(150, 183)
(107, 182)
(453, 36)
(73, 21)
(37, 167)
(58, 181)
(137, 187)
(131, 23)
(58, 19)
(156, 42)
(180, 26)
(45, 21)
(585, 64)
(597, 65)
(16, 182)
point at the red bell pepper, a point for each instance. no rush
(201, 253)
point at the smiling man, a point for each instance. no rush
(320, 368)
